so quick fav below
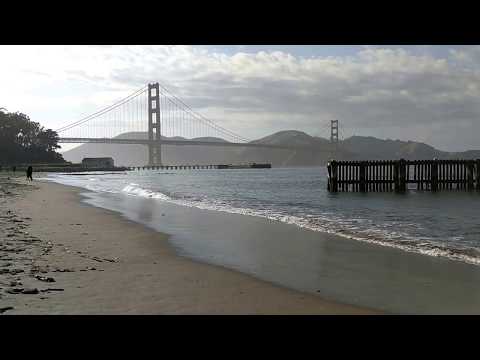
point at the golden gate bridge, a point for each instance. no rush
(166, 119)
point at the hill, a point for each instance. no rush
(136, 155)
(353, 148)
(367, 147)
(318, 155)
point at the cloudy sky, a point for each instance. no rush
(423, 93)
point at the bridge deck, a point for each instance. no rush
(180, 143)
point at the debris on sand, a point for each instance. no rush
(11, 271)
(30, 291)
(63, 270)
(51, 289)
(36, 269)
(21, 255)
(14, 291)
(16, 271)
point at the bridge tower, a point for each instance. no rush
(154, 126)
(334, 138)
(334, 131)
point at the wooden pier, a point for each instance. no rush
(402, 175)
(193, 167)
(173, 167)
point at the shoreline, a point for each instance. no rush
(335, 268)
(428, 247)
(107, 264)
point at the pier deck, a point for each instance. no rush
(189, 167)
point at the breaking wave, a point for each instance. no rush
(328, 223)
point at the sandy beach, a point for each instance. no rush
(61, 256)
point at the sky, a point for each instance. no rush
(423, 93)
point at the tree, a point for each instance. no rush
(26, 141)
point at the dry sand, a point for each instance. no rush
(102, 263)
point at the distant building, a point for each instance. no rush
(104, 162)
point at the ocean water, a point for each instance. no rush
(443, 224)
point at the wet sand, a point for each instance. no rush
(61, 256)
(327, 265)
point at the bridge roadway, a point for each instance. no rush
(184, 143)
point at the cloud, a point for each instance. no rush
(380, 91)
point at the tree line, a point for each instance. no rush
(24, 141)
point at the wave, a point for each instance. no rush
(327, 224)
(133, 189)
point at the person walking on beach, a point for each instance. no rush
(29, 173)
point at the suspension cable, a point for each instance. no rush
(104, 110)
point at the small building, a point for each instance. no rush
(101, 162)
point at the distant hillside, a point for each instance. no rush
(136, 155)
(367, 147)
(292, 137)
(354, 148)
(319, 155)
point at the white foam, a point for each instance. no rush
(132, 189)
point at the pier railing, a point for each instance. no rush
(401, 175)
